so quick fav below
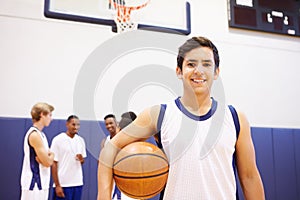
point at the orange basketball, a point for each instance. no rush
(141, 170)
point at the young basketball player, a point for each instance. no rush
(203, 138)
(70, 152)
(112, 127)
(35, 177)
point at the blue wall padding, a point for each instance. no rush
(297, 158)
(263, 143)
(284, 164)
(11, 154)
(277, 155)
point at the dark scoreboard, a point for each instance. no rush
(273, 16)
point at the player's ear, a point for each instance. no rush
(42, 115)
(217, 71)
(178, 72)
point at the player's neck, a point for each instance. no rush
(113, 135)
(199, 105)
(39, 125)
(70, 135)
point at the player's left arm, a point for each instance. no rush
(249, 176)
(81, 156)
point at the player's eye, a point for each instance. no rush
(191, 64)
(206, 64)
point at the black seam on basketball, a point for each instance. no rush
(141, 177)
(142, 196)
(138, 154)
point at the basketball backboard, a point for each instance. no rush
(158, 15)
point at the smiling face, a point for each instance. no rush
(73, 126)
(198, 71)
(111, 126)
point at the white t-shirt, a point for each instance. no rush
(65, 149)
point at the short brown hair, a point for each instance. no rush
(40, 108)
(196, 42)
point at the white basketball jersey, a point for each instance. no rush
(33, 173)
(200, 151)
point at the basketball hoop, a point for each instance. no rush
(122, 13)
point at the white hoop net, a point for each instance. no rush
(122, 13)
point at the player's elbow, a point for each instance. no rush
(48, 163)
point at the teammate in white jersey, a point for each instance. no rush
(113, 128)
(203, 138)
(111, 125)
(35, 177)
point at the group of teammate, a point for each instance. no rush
(65, 156)
(63, 160)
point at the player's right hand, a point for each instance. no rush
(59, 192)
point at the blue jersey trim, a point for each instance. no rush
(235, 120)
(196, 117)
(237, 130)
(158, 142)
(235, 175)
(159, 123)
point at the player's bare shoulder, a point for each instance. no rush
(148, 117)
(34, 138)
(144, 126)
